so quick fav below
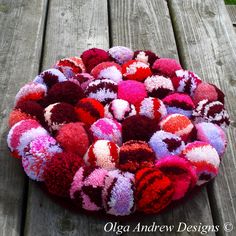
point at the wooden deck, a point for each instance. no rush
(34, 34)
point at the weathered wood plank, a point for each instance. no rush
(232, 13)
(22, 24)
(207, 43)
(142, 24)
(72, 27)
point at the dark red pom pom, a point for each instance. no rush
(60, 171)
(67, 91)
(32, 108)
(138, 128)
(93, 57)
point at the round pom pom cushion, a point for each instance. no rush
(119, 131)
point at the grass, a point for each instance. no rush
(230, 2)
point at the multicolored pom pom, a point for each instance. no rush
(186, 81)
(104, 154)
(179, 103)
(31, 92)
(135, 155)
(108, 70)
(107, 129)
(146, 56)
(118, 193)
(74, 63)
(166, 144)
(205, 159)
(158, 86)
(50, 77)
(121, 54)
(153, 108)
(37, 154)
(177, 124)
(181, 173)
(212, 134)
(58, 114)
(154, 190)
(21, 134)
(213, 112)
(103, 90)
(136, 70)
(86, 188)
(119, 110)
(88, 110)
(82, 79)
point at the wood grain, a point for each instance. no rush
(143, 24)
(72, 27)
(206, 40)
(20, 47)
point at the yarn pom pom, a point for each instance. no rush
(93, 57)
(179, 103)
(212, 134)
(147, 56)
(50, 77)
(21, 134)
(103, 90)
(154, 190)
(177, 124)
(31, 108)
(31, 92)
(213, 112)
(67, 91)
(136, 70)
(17, 116)
(119, 110)
(59, 173)
(86, 188)
(73, 138)
(104, 154)
(88, 110)
(65, 70)
(158, 86)
(74, 63)
(181, 173)
(37, 154)
(205, 159)
(82, 80)
(153, 108)
(135, 155)
(108, 70)
(166, 67)
(118, 193)
(121, 54)
(58, 114)
(107, 129)
(209, 92)
(132, 91)
(138, 128)
(166, 144)
(185, 81)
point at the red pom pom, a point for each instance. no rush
(93, 57)
(67, 91)
(154, 190)
(60, 171)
